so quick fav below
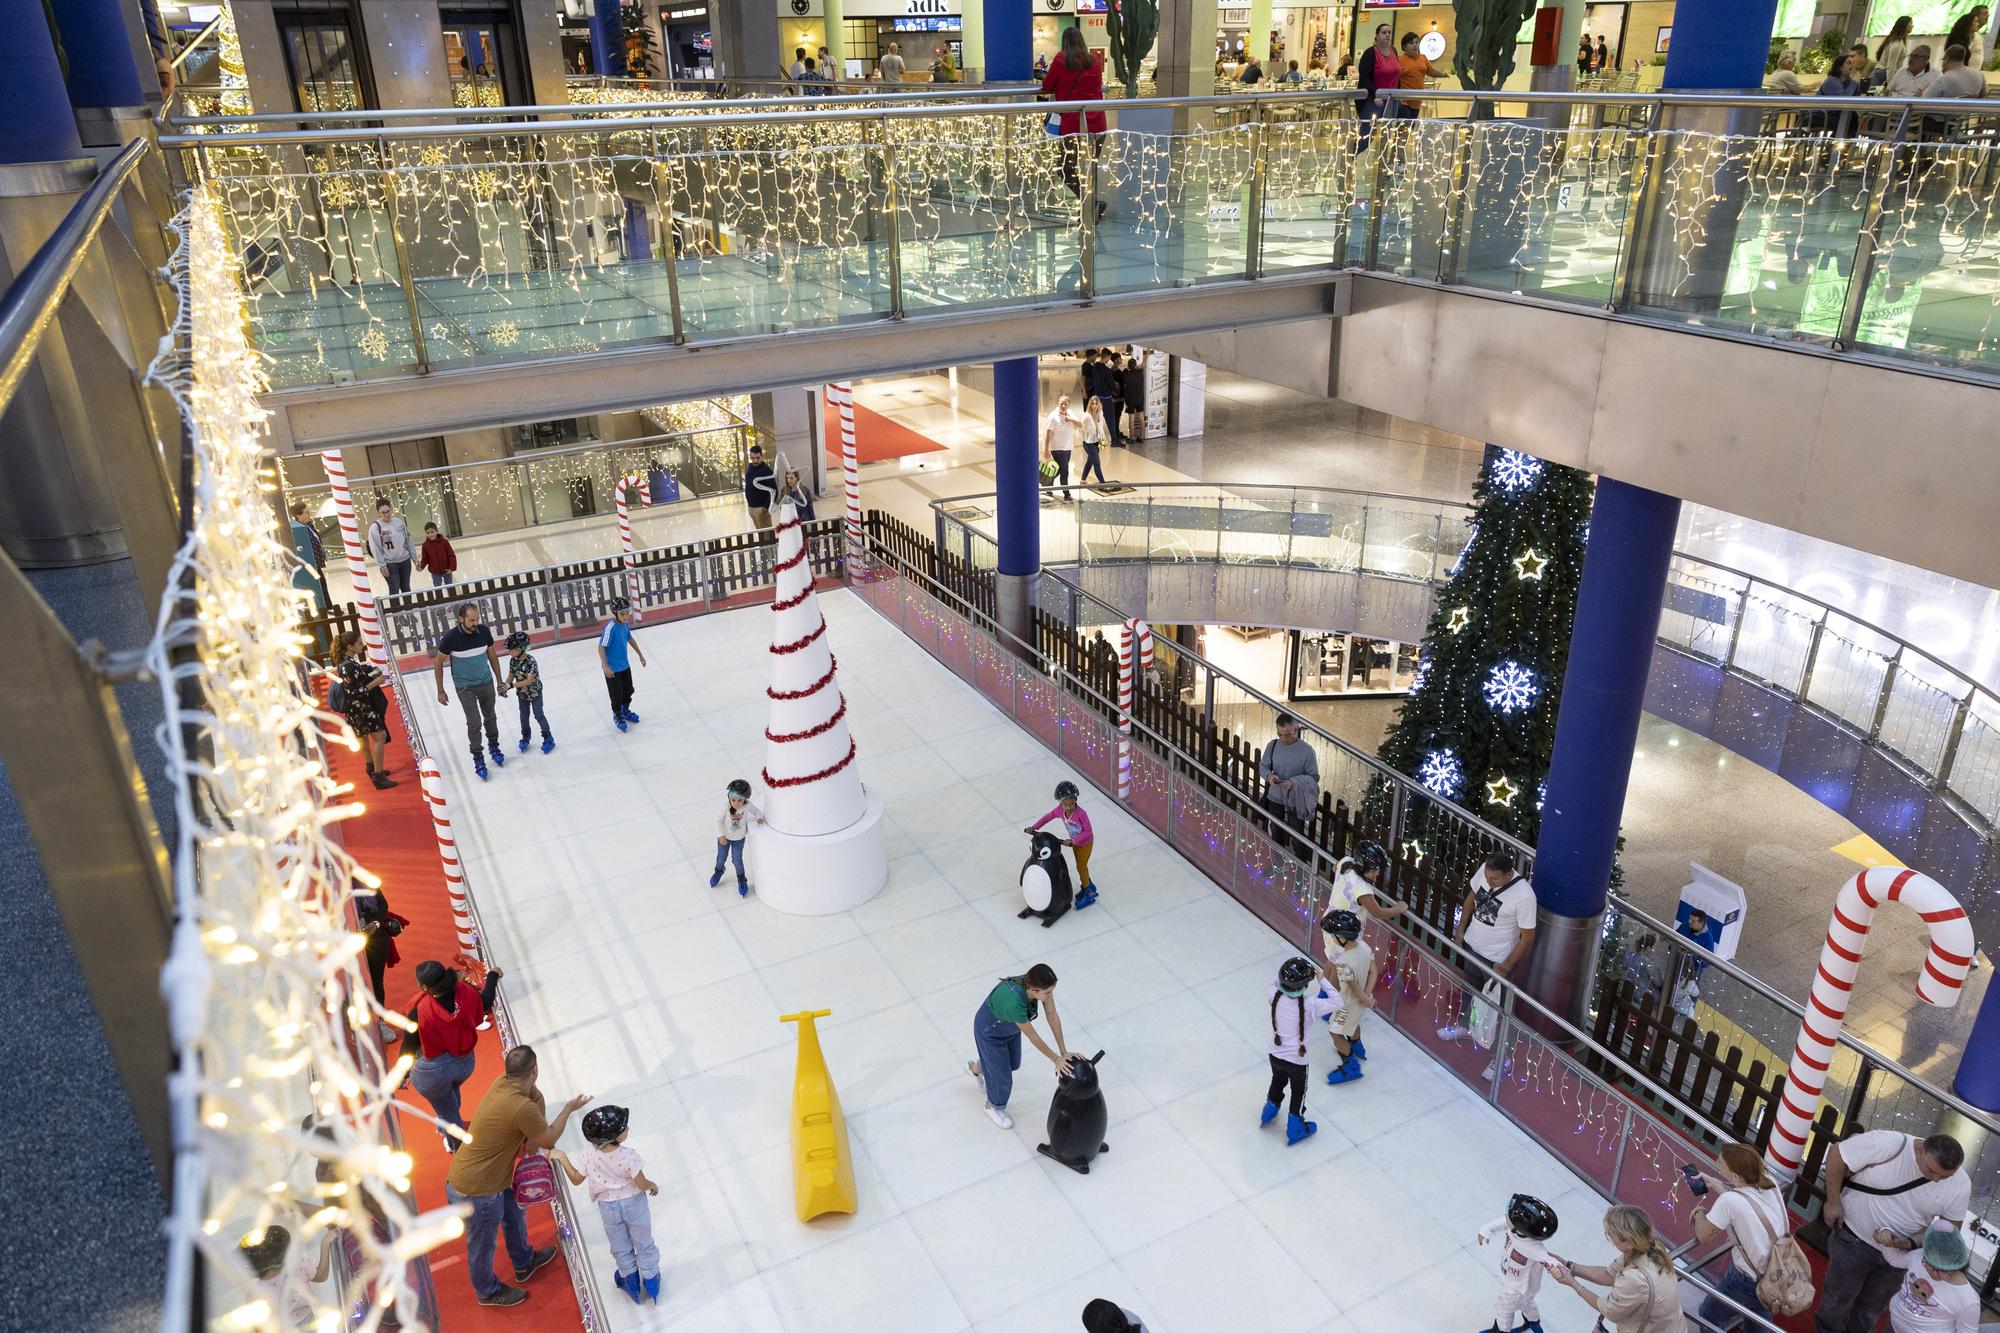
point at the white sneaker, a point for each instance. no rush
(972, 1068)
(999, 1117)
(1452, 1032)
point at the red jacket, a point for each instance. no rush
(437, 556)
(1064, 84)
(455, 1033)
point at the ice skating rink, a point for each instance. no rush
(639, 984)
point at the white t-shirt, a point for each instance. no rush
(1737, 1212)
(1519, 1256)
(1498, 917)
(1061, 430)
(1093, 433)
(1348, 891)
(1925, 1305)
(1885, 1158)
(1288, 1036)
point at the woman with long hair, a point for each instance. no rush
(1747, 1207)
(1970, 33)
(1895, 48)
(1644, 1292)
(1077, 75)
(1094, 430)
(363, 706)
(1007, 1014)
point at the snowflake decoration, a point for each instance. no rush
(1423, 676)
(375, 342)
(1541, 794)
(485, 185)
(1516, 471)
(432, 156)
(505, 334)
(1441, 773)
(1510, 687)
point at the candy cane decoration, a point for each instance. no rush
(841, 393)
(357, 568)
(454, 875)
(625, 534)
(1940, 984)
(1136, 647)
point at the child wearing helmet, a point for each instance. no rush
(1357, 883)
(616, 1176)
(1350, 966)
(732, 826)
(1292, 1010)
(1523, 1234)
(524, 677)
(1077, 824)
(615, 646)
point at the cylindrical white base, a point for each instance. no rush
(824, 873)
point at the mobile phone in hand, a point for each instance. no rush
(1696, 1185)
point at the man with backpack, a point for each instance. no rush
(1884, 1191)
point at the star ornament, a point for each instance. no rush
(1414, 850)
(1530, 564)
(1461, 617)
(1501, 792)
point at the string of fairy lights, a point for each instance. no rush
(281, 1094)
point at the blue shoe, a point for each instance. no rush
(479, 767)
(629, 1284)
(620, 722)
(1530, 1326)
(631, 716)
(652, 1285)
(1270, 1114)
(1350, 1069)
(548, 743)
(743, 888)
(524, 745)
(715, 879)
(1361, 1053)
(1298, 1129)
(1086, 898)
(499, 759)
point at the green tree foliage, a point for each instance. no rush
(1131, 26)
(1487, 30)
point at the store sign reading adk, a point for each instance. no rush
(920, 7)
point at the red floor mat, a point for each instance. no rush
(394, 839)
(876, 437)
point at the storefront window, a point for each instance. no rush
(1330, 666)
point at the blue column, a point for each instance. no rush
(1010, 40)
(638, 238)
(102, 71)
(1017, 403)
(34, 106)
(1720, 43)
(607, 46)
(1978, 1077)
(1604, 690)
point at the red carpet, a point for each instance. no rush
(875, 437)
(395, 840)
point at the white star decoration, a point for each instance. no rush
(1501, 792)
(1530, 564)
(1460, 618)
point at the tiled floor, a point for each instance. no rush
(642, 986)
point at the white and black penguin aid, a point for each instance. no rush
(1045, 884)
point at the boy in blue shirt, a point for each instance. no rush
(614, 647)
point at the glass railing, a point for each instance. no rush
(397, 247)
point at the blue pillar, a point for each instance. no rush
(1978, 1077)
(102, 71)
(638, 237)
(607, 47)
(1604, 691)
(1017, 409)
(1720, 44)
(1010, 40)
(34, 106)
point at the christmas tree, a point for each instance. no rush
(642, 52)
(1480, 719)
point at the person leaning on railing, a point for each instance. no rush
(1745, 1205)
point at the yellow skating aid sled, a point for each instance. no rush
(822, 1170)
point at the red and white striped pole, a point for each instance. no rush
(1135, 634)
(841, 394)
(357, 568)
(625, 534)
(1941, 983)
(454, 875)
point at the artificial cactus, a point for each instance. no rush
(1131, 26)
(1487, 31)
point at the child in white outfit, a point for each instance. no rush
(1350, 966)
(1523, 1233)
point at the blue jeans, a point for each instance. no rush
(533, 706)
(730, 851)
(1740, 1287)
(628, 1225)
(999, 1047)
(442, 580)
(493, 1215)
(437, 1078)
(396, 573)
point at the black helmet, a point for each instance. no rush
(1368, 856)
(1530, 1217)
(620, 604)
(739, 787)
(1341, 922)
(606, 1123)
(517, 641)
(1294, 975)
(1066, 791)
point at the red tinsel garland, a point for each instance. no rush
(810, 690)
(790, 602)
(786, 649)
(790, 523)
(791, 562)
(819, 730)
(807, 778)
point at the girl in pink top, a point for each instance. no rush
(1077, 824)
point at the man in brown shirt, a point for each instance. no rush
(511, 1116)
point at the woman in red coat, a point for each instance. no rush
(1077, 75)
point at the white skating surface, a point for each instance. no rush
(640, 985)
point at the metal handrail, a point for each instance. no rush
(30, 303)
(535, 456)
(199, 38)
